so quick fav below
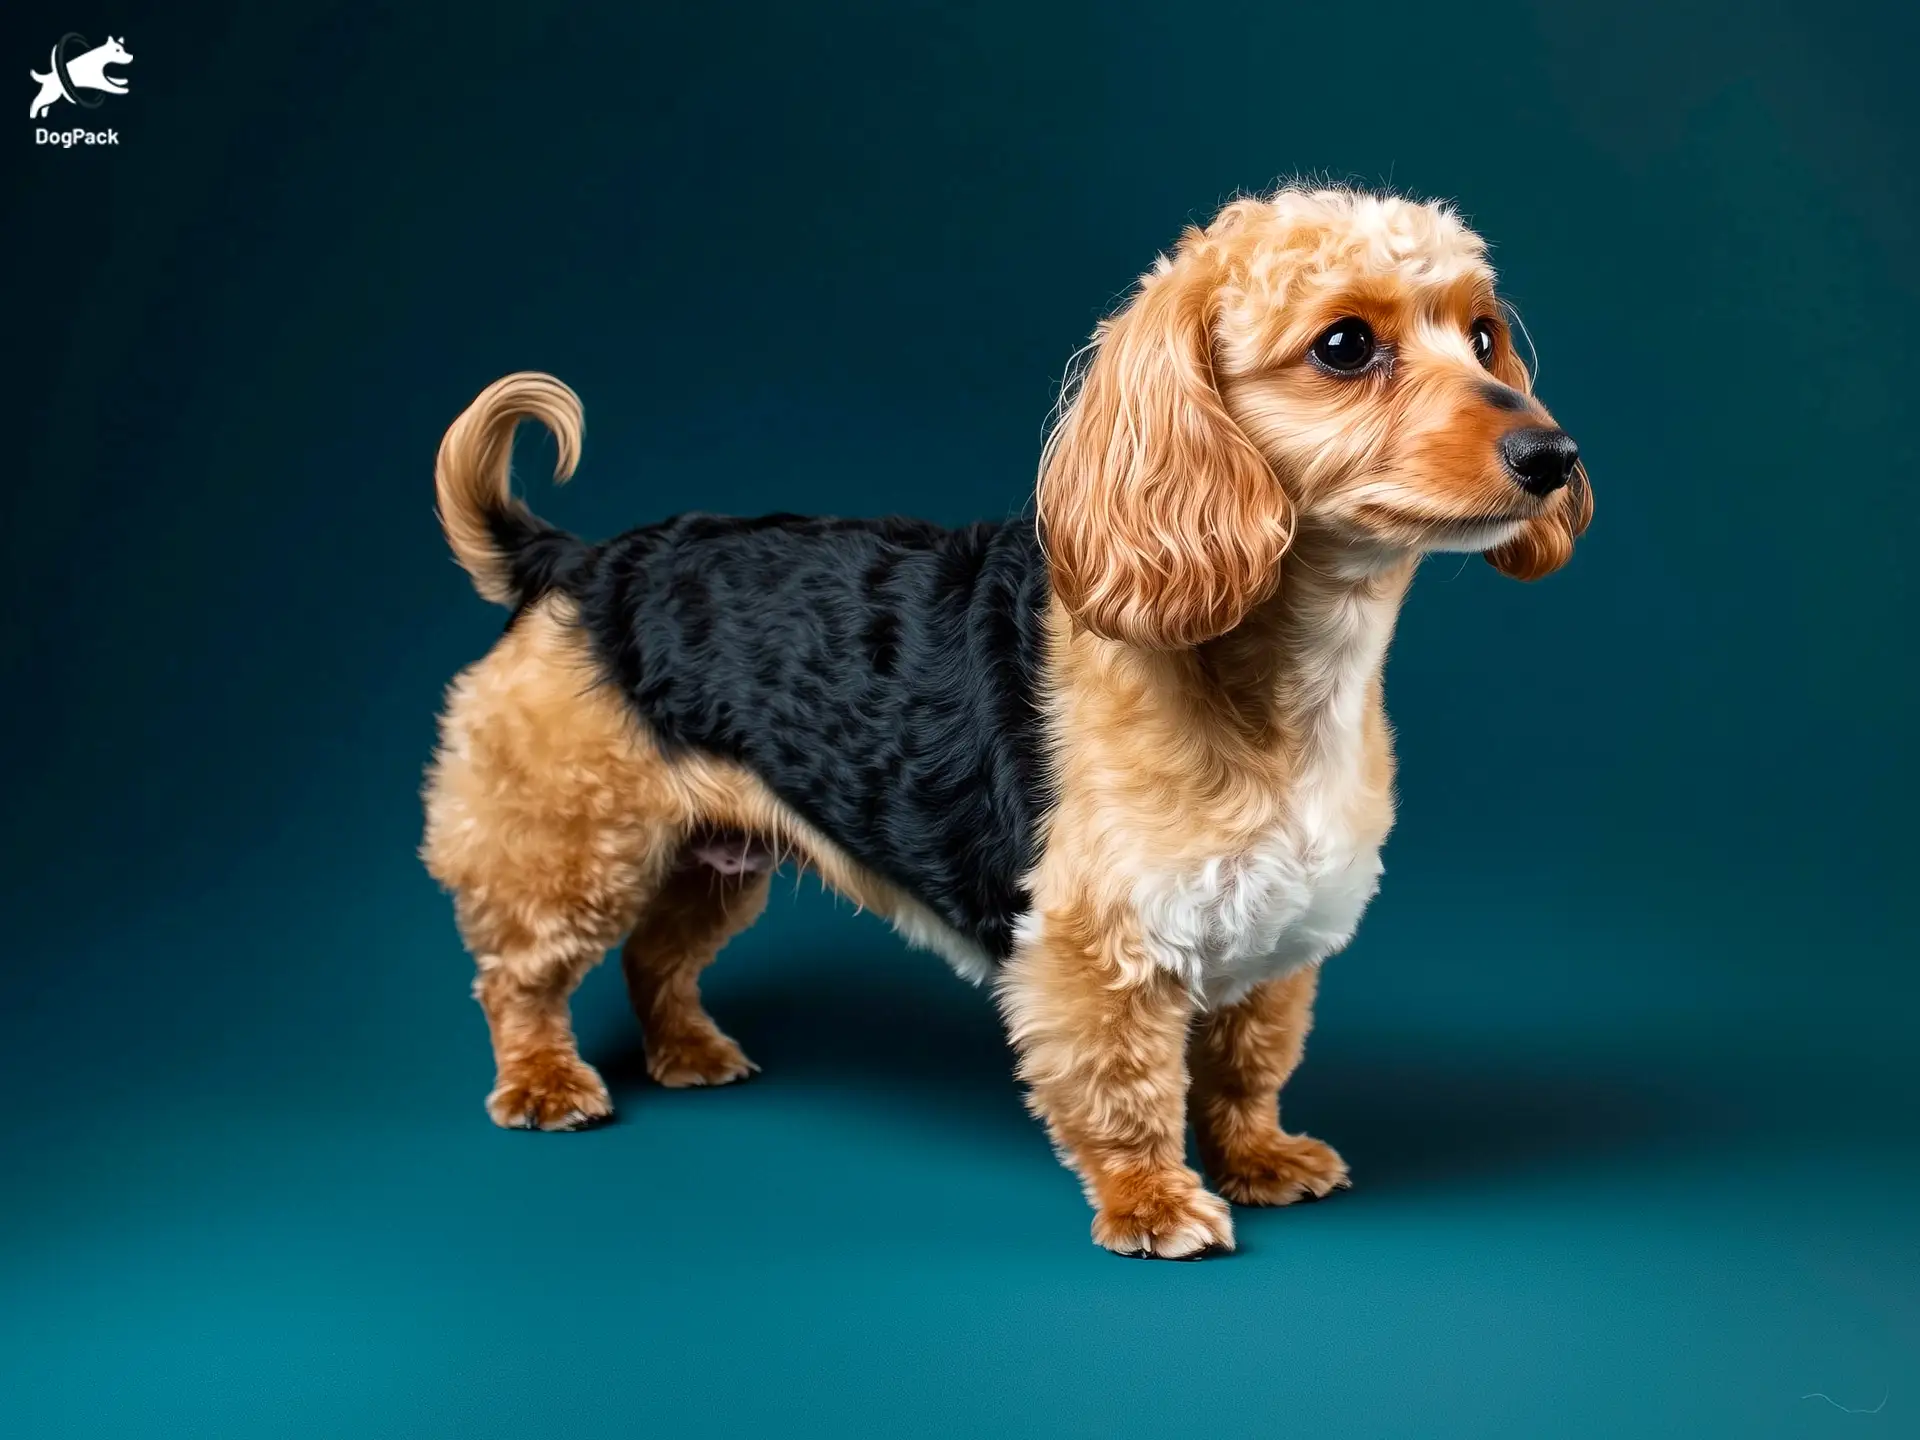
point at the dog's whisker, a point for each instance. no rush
(1533, 352)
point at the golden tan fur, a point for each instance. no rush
(1241, 1057)
(472, 474)
(1230, 532)
(695, 913)
(559, 829)
(1162, 521)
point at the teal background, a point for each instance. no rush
(1622, 1057)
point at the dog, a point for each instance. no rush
(1122, 757)
(87, 70)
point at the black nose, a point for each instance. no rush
(1540, 458)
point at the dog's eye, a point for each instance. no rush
(1480, 333)
(1347, 346)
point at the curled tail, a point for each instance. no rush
(512, 554)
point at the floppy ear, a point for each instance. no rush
(1162, 522)
(1544, 543)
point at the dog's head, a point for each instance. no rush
(114, 52)
(1318, 360)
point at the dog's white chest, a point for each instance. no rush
(1289, 891)
(1292, 898)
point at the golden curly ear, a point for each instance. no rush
(1163, 524)
(1544, 543)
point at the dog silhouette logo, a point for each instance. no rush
(74, 71)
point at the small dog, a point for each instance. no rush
(1124, 756)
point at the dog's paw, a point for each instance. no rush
(709, 1059)
(1169, 1216)
(1279, 1169)
(549, 1094)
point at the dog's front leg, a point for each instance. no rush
(1101, 1035)
(1242, 1056)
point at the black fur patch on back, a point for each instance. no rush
(879, 675)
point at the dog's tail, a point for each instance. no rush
(512, 554)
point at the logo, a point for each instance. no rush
(74, 73)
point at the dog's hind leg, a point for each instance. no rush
(50, 91)
(534, 933)
(541, 1082)
(549, 817)
(682, 928)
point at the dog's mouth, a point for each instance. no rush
(1474, 537)
(1490, 521)
(1466, 533)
